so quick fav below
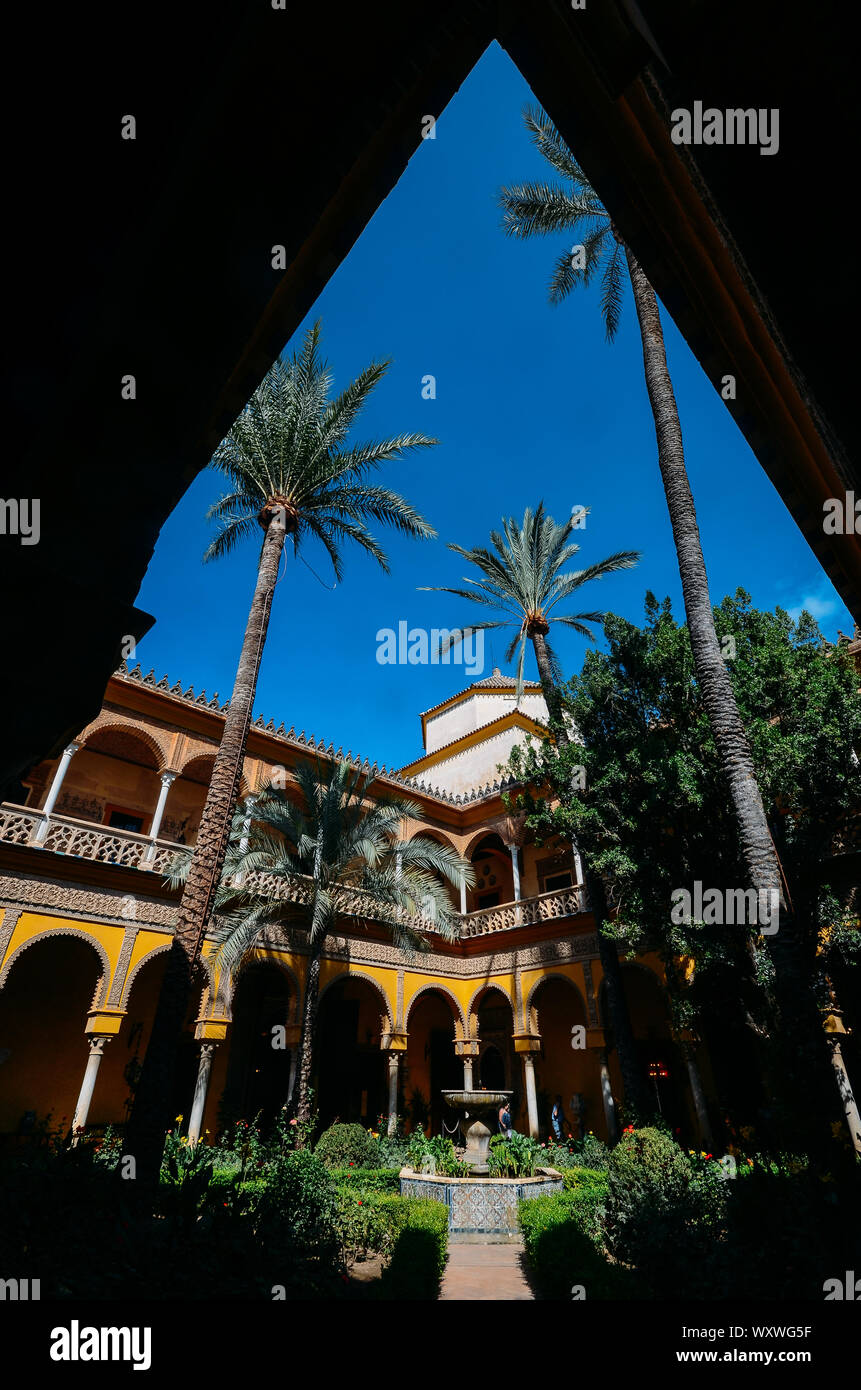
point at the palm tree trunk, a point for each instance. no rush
(757, 847)
(151, 1113)
(755, 840)
(636, 1094)
(306, 1044)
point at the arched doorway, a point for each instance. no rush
(493, 1025)
(494, 875)
(43, 1012)
(113, 779)
(431, 1065)
(258, 1074)
(349, 1064)
(563, 1069)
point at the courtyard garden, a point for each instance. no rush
(281, 1217)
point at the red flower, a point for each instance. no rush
(360, 1201)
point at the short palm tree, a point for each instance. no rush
(320, 852)
(539, 209)
(522, 576)
(293, 475)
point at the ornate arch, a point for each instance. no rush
(439, 988)
(260, 955)
(359, 975)
(66, 930)
(133, 974)
(481, 989)
(482, 835)
(431, 833)
(530, 1011)
(194, 755)
(123, 726)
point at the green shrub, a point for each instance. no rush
(516, 1157)
(418, 1260)
(438, 1153)
(661, 1216)
(388, 1150)
(367, 1179)
(370, 1221)
(589, 1152)
(297, 1209)
(346, 1146)
(563, 1247)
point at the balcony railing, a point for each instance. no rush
(546, 907)
(21, 825)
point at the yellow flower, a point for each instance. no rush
(179, 1119)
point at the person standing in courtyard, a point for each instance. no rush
(557, 1119)
(505, 1120)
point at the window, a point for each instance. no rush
(119, 819)
(560, 880)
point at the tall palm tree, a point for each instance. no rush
(331, 852)
(293, 475)
(539, 209)
(522, 576)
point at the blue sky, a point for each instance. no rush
(531, 403)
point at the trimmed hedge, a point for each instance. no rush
(368, 1179)
(418, 1260)
(561, 1234)
(370, 1221)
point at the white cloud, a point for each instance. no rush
(819, 605)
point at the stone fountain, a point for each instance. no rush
(479, 1207)
(477, 1112)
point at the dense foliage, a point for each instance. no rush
(653, 815)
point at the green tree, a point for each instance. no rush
(293, 476)
(654, 815)
(539, 209)
(322, 850)
(523, 578)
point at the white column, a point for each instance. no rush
(531, 1098)
(246, 824)
(463, 896)
(609, 1102)
(88, 1085)
(850, 1107)
(68, 754)
(201, 1086)
(394, 1062)
(467, 1073)
(578, 867)
(515, 871)
(167, 781)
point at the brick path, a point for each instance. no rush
(493, 1272)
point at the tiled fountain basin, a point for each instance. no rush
(480, 1206)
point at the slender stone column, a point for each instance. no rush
(850, 1105)
(201, 1086)
(167, 781)
(467, 1073)
(515, 875)
(515, 870)
(607, 1096)
(249, 804)
(531, 1097)
(463, 896)
(88, 1085)
(50, 801)
(394, 1063)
